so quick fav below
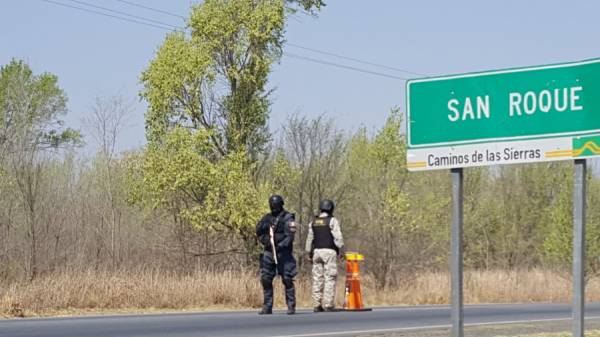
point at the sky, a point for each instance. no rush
(95, 55)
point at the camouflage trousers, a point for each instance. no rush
(324, 274)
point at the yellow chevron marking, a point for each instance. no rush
(575, 152)
(416, 164)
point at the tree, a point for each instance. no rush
(382, 216)
(107, 120)
(507, 209)
(557, 245)
(309, 6)
(216, 78)
(30, 110)
(309, 166)
(219, 196)
(207, 119)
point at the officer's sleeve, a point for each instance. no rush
(336, 231)
(262, 232)
(309, 239)
(262, 227)
(288, 230)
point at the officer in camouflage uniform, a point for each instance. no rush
(279, 223)
(324, 244)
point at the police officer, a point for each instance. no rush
(323, 245)
(276, 233)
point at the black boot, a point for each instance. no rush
(291, 310)
(290, 295)
(318, 309)
(265, 311)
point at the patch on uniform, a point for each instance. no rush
(292, 227)
(319, 222)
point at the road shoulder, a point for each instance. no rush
(496, 330)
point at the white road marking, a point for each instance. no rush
(347, 332)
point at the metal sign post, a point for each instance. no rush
(456, 253)
(579, 189)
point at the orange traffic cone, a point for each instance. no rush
(353, 299)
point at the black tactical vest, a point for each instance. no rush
(281, 221)
(322, 237)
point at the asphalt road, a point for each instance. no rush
(304, 323)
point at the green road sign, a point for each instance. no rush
(504, 116)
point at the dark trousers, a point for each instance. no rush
(286, 267)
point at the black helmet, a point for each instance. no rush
(327, 206)
(276, 204)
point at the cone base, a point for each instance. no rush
(362, 309)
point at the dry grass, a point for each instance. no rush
(148, 290)
(141, 290)
(495, 286)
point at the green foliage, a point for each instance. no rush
(174, 86)
(18, 86)
(384, 217)
(56, 138)
(558, 243)
(309, 6)
(377, 163)
(283, 175)
(507, 212)
(216, 79)
(218, 196)
(30, 110)
(557, 247)
(207, 118)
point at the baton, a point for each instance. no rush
(272, 237)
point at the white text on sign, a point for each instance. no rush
(519, 104)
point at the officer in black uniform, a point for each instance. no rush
(283, 263)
